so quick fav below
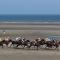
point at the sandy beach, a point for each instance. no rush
(19, 54)
(29, 32)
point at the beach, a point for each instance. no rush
(30, 32)
(20, 54)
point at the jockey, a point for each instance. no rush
(7, 38)
(23, 39)
(39, 39)
(47, 39)
(35, 41)
(18, 38)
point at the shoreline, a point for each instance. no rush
(31, 23)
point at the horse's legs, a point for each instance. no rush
(34, 47)
(10, 45)
(37, 47)
(57, 47)
(17, 45)
(7, 44)
(23, 46)
(2, 45)
(28, 47)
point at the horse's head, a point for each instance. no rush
(27, 40)
(36, 40)
(10, 40)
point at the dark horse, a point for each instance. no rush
(26, 43)
(51, 44)
(5, 42)
(17, 43)
(34, 43)
(42, 42)
(37, 43)
(1, 43)
(20, 43)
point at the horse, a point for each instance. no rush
(3, 41)
(51, 44)
(26, 43)
(17, 43)
(1, 44)
(42, 42)
(34, 43)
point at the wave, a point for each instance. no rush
(7, 22)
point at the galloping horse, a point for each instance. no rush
(34, 43)
(51, 44)
(17, 43)
(3, 41)
(22, 42)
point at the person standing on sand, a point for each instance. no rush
(4, 32)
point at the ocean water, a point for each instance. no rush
(30, 18)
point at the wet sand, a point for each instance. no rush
(19, 54)
(30, 31)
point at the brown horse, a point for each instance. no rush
(51, 44)
(34, 43)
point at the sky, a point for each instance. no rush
(29, 6)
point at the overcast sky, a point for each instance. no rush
(29, 6)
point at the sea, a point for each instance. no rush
(36, 19)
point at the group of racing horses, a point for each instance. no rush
(28, 43)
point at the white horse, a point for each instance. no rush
(18, 38)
